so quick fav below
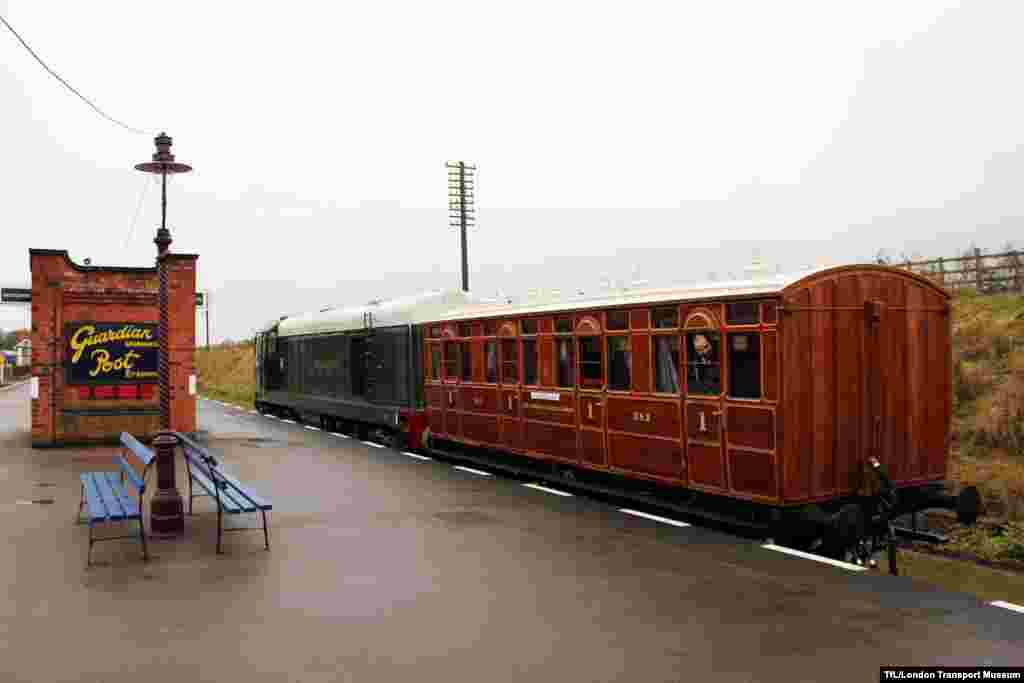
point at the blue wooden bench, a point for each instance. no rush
(108, 498)
(231, 496)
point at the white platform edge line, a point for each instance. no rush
(342, 436)
(1007, 605)
(470, 469)
(314, 429)
(656, 518)
(370, 443)
(291, 422)
(417, 456)
(816, 558)
(538, 487)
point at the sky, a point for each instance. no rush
(643, 142)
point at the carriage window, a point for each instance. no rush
(467, 362)
(491, 355)
(563, 325)
(591, 368)
(666, 364)
(435, 361)
(618, 320)
(566, 355)
(435, 331)
(490, 328)
(666, 317)
(464, 330)
(509, 362)
(744, 365)
(743, 313)
(529, 326)
(451, 360)
(703, 363)
(620, 363)
(530, 361)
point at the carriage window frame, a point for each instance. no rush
(711, 334)
(509, 368)
(617, 320)
(434, 356)
(466, 351)
(529, 326)
(733, 374)
(564, 324)
(535, 357)
(491, 353)
(658, 316)
(581, 381)
(616, 339)
(677, 362)
(568, 369)
(451, 366)
(734, 317)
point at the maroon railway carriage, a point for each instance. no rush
(781, 392)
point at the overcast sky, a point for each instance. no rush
(664, 142)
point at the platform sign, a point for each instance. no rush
(111, 353)
(200, 299)
(15, 295)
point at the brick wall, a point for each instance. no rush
(64, 292)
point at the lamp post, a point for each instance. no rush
(167, 515)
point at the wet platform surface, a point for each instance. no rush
(383, 567)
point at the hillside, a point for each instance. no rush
(228, 372)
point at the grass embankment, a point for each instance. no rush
(227, 372)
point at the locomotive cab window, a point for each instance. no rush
(591, 365)
(744, 365)
(565, 357)
(703, 363)
(620, 363)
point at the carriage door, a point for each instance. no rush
(702, 344)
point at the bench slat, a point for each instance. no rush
(129, 505)
(228, 503)
(97, 509)
(107, 507)
(258, 502)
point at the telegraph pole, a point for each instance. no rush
(461, 209)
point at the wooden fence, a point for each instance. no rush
(982, 273)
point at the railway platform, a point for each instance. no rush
(389, 567)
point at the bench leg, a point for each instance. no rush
(266, 536)
(81, 502)
(142, 535)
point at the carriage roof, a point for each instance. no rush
(767, 285)
(408, 310)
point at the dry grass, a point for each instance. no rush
(228, 372)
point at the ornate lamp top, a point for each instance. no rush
(163, 161)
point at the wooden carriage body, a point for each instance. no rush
(775, 391)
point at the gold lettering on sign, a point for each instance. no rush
(104, 365)
(86, 336)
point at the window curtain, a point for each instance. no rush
(667, 372)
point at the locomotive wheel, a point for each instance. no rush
(968, 506)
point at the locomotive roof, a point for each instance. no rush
(408, 310)
(769, 284)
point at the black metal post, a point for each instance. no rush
(462, 221)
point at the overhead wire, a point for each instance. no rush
(146, 184)
(68, 85)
